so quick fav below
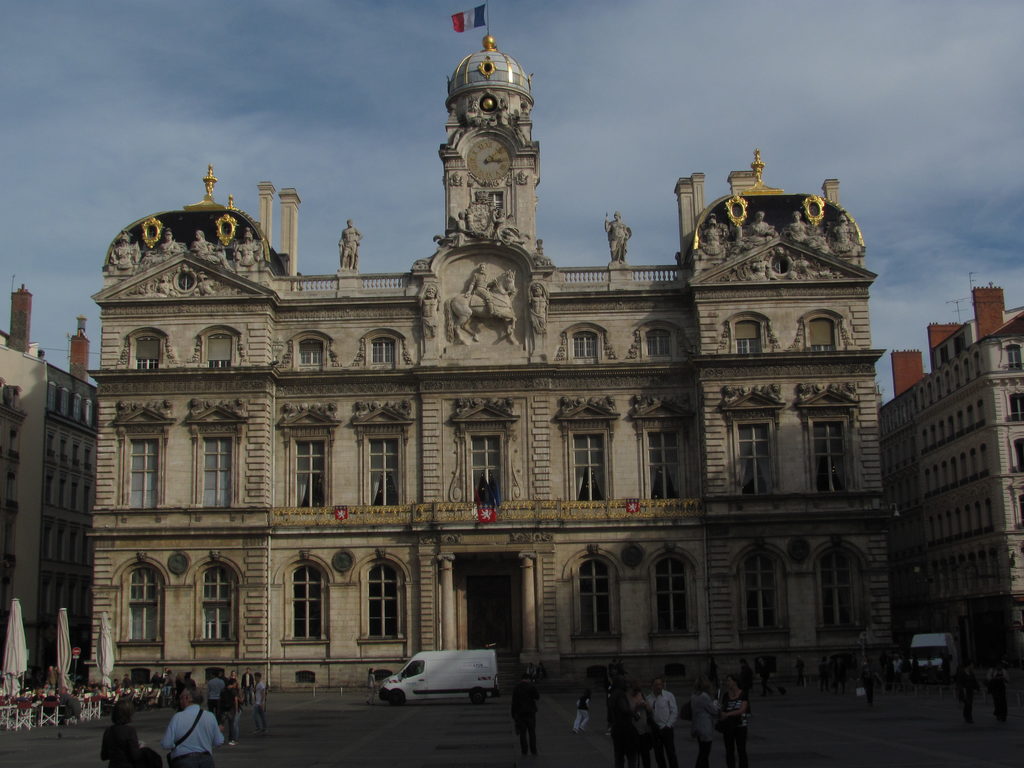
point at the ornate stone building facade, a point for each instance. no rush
(316, 474)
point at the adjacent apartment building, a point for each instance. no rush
(953, 471)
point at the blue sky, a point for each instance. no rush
(113, 110)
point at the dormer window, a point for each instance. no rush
(658, 343)
(584, 346)
(748, 337)
(383, 351)
(821, 335)
(1013, 360)
(311, 353)
(219, 351)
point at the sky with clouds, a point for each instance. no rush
(114, 108)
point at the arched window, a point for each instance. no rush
(670, 594)
(584, 345)
(595, 597)
(836, 590)
(311, 353)
(382, 601)
(748, 337)
(307, 603)
(821, 335)
(147, 353)
(143, 604)
(760, 593)
(217, 591)
(1013, 358)
(658, 343)
(382, 351)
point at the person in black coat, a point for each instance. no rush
(120, 741)
(524, 714)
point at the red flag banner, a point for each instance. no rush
(486, 514)
(341, 513)
(632, 506)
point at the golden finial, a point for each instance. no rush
(231, 202)
(209, 180)
(490, 44)
(757, 166)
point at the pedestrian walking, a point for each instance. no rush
(641, 723)
(867, 681)
(746, 678)
(823, 674)
(214, 688)
(800, 681)
(664, 714)
(259, 708)
(966, 686)
(733, 723)
(248, 686)
(231, 709)
(997, 682)
(120, 746)
(524, 714)
(371, 687)
(625, 740)
(704, 709)
(582, 712)
(192, 734)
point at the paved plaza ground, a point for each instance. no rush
(803, 728)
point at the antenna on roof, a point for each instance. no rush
(957, 303)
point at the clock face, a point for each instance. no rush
(488, 160)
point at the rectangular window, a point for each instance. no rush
(658, 343)
(485, 460)
(309, 473)
(217, 472)
(311, 353)
(142, 605)
(147, 354)
(584, 346)
(383, 351)
(755, 472)
(829, 456)
(748, 338)
(588, 467)
(220, 351)
(663, 456)
(1016, 407)
(143, 473)
(76, 407)
(384, 471)
(1013, 359)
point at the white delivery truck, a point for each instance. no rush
(928, 650)
(444, 675)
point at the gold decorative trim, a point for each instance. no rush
(730, 210)
(151, 229)
(226, 226)
(486, 68)
(810, 202)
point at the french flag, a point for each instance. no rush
(469, 19)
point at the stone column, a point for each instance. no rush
(526, 561)
(448, 629)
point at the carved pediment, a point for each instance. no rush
(215, 412)
(757, 397)
(182, 277)
(369, 412)
(650, 407)
(586, 408)
(481, 409)
(157, 413)
(782, 263)
(831, 395)
(309, 415)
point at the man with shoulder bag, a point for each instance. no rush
(192, 734)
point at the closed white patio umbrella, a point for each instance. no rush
(63, 650)
(105, 650)
(15, 650)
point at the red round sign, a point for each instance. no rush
(76, 652)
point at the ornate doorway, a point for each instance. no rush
(489, 612)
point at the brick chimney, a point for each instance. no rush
(80, 352)
(907, 369)
(939, 332)
(988, 309)
(21, 319)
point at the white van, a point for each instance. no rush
(929, 648)
(444, 675)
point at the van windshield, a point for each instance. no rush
(929, 651)
(412, 669)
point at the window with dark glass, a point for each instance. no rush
(147, 353)
(382, 593)
(217, 590)
(144, 465)
(759, 591)
(384, 471)
(142, 604)
(1013, 358)
(595, 610)
(217, 471)
(588, 467)
(383, 351)
(307, 603)
(755, 472)
(1016, 407)
(584, 346)
(829, 456)
(670, 594)
(311, 353)
(663, 456)
(658, 343)
(836, 589)
(822, 335)
(485, 460)
(309, 473)
(219, 355)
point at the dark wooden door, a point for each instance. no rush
(489, 612)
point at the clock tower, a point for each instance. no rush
(490, 155)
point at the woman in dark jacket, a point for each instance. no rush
(120, 741)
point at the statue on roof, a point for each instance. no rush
(618, 236)
(348, 246)
(124, 255)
